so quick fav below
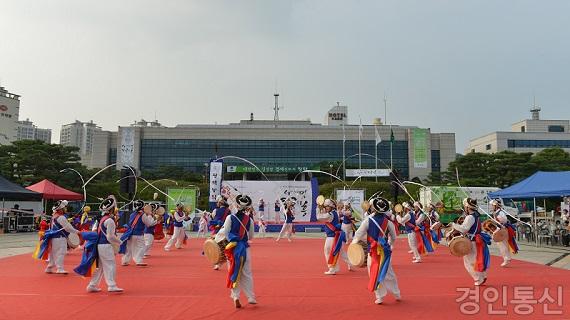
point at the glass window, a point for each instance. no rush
(555, 128)
(538, 143)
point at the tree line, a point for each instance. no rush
(27, 162)
(500, 169)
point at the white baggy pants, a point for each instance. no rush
(328, 246)
(347, 228)
(202, 229)
(148, 241)
(287, 229)
(469, 263)
(390, 283)
(57, 254)
(178, 237)
(245, 280)
(261, 231)
(106, 266)
(135, 250)
(413, 243)
(504, 250)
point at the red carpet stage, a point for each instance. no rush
(289, 283)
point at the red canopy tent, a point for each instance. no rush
(51, 191)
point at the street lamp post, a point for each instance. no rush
(331, 167)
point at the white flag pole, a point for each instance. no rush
(359, 145)
(343, 153)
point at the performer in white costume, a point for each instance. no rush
(408, 220)
(106, 241)
(150, 230)
(380, 233)
(59, 240)
(238, 228)
(287, 229)
(335, 237)
(478, 260)
(135, 243)
(509, 245)
(261, 224)
(179, 235)
(203, 224)
(347, 221)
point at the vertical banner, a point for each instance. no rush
(216, 168)
(126, 154)
(420, 147)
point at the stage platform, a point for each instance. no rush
(289, 283)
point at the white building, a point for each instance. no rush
(79, 134)
(9, 111)
(28, 131)
(337, 115)
(278, 147)
(531, 135)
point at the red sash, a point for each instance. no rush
(105, 218)
(331, 227)
(139, 215)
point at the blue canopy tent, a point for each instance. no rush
(540, 185)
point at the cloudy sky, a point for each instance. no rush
(464, 66)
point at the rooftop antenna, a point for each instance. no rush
(535, 109)
(276, 108)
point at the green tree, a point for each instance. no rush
(551, 159)
(502, 169)
(508, 167)
(472, 169)
(172, 172)
(27, 162)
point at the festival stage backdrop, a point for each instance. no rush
(355, 196)
(452, 197)
(186, 196)
(305, 193)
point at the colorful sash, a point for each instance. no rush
(419, 237)
(380, 255)
(215, 225)
(339, 239)
(128, 234)
(43, 248)
(88, 263)
(425, 240)
(396, 226)
(512, 238)
(236, 252)
(483, 259)
(436, 235)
